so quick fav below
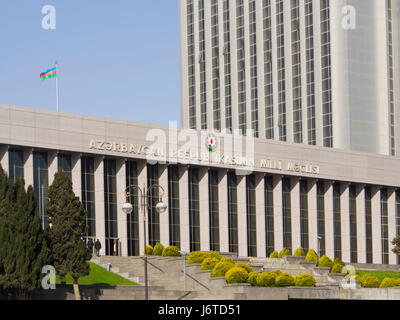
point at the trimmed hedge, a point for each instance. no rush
(252, 278)
(158, 249)
(304, 280)
(209, 263)
(284, 280)
(338, 261)
(274, 255)
(266, 279)
(389, 282)
(284, 252)
(149, 250)
(227, 259)
(221, 268)
(337, 268)
(312, 256)
(236, 275)
(369, 281)
(171, 251)
(245, 266)
(299, 253)
(325, 262)
(197, 257)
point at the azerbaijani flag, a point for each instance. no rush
(51, 73)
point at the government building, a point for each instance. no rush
(317, 72)
(224, 192)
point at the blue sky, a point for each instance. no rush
(117, 59)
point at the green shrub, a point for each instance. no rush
(158, 249)
(266, 279)
(325, 262)
(197, 257)
(149, 250)
(312, 256)
(236, 275)
(252, 278)
(245, 266)
(284, 280)
(304, 280)
(209, 263)
(338, 261)
(274, 255)
(214, 254)
(337, 268)
(397, 282)
(221, 268)
(369, 281)
(299, 253)
(389, 282)
(284, 252)
(171, 251)
(226, 259)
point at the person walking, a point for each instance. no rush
(90, 245)
(97, 246)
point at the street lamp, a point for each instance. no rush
(319, 246)
(127, 208)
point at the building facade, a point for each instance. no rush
(317, 72)
(267, 195)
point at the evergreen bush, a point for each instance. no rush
(337, 268)
(236, 275)
(274, 255)
(227, 259)
(325, 262)
(312, 256)
(266, 279)
(245, 266)
(252, 279)
(304, 280)
(284, 280)
(369, 281)
(221, 268)
(149, 250)
(338, 261)
(284, 252)
(389, 282)
(197, 257)
(171, 251)
(299, 253)
(214, 254)
(158, 249)
(209, 263)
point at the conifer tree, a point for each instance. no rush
(23, 246)
(67, 218)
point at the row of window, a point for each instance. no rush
(88, 167)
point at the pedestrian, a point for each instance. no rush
(97, 246)
(90, 245)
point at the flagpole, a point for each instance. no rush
(56, 63)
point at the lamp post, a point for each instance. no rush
(184, 254)
(127, 208)
(319, 246)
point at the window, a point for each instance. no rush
(110, 204)
(64, 164)
(304, 215)
(286, 214)
(173, 206)
(213, 209)
(251, 216)
(353, 223)
(88, 194)
(227, 67)
(16, 164)
(194, 209)
(321, 216)
(153, 215)
(41, 185)
(368, 225)
(232, 212)
(269, 214)
(253, 68)
(384, 226)
(191, 65)
(215, 64)
(241, 66)
(133, 217)
(337, 226)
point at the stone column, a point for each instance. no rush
(28, 167)
(53, 165)
(392, 223)
(242, 215)
(121, 199)
(361, 232)
(295, 211)
(345, 217)
(204, 210)
(376, 225)
(223, 210)
(164, 217)
(260, 215)
(142, 184)
(184, 207)
(329, 234)
(312, 215)
(278, 222)
(76, 164)
(99, 205)
(4, 158)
